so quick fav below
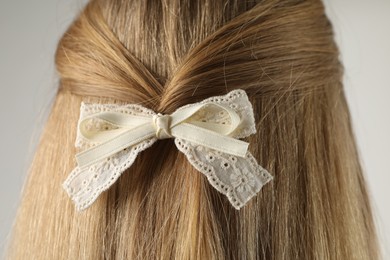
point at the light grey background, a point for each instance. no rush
(30, 30)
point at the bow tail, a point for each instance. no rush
(85, 184)
(239, 178)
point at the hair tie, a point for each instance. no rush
(207, 132)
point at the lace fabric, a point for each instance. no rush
(239, 178)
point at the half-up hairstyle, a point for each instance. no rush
(163, 55)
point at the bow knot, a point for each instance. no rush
(161, 123)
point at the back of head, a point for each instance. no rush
(163, 55)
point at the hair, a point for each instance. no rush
(163, 55)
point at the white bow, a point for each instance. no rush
(111, 136)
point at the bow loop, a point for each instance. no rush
(215, 117)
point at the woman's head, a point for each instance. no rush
(163, 55)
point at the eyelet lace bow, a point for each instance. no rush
(110, 137)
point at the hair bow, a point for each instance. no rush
(111, 136)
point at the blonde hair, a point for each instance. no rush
(165, 54)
